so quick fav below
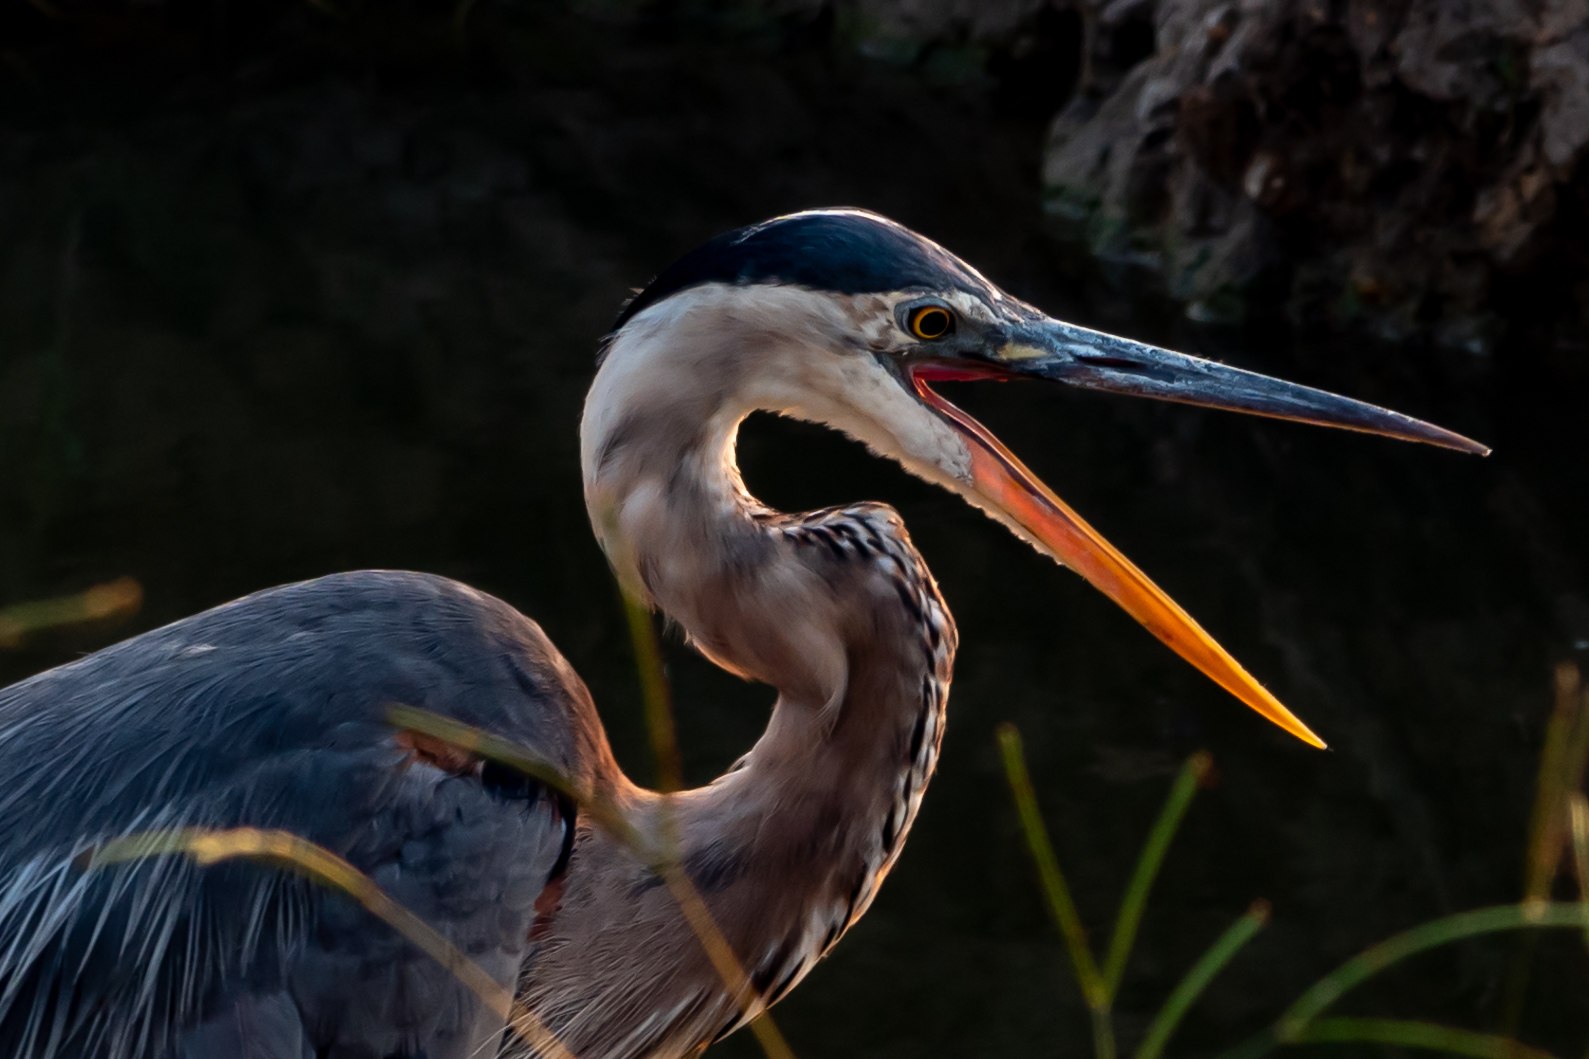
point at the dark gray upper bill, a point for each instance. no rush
(1093, 360)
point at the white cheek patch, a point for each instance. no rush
(858, 396)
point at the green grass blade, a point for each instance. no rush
(656, 699)
(1544, 829)
(663, 860)
(1330, 988)
(1255, 1047)
(1561, 770)
(494, 748)
(113, 599)
(1575, 760)
(1136, 896)
(1060, 904)
(1103, 1034)
(1181, 998)
(655, 696)
(1406, 1033)
(1578, 814)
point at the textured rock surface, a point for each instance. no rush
(1411, 165)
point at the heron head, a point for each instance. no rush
(844, 317)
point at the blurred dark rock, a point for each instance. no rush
(1408, 168)
(1412, 167)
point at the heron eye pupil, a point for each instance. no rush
(931, 321)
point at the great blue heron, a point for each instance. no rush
(271, 711)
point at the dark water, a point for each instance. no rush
(262, 327)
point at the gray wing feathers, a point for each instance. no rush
(262, 1027)
(270, 712)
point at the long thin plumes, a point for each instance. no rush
(62, 927)
(285, 850)
(149, 940)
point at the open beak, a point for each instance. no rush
(1006, 489)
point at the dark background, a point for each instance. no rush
(288, 291)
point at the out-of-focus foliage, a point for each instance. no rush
(116, 599)
(1558, 846)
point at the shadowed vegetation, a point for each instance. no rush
(109, 602)
(1558, 846)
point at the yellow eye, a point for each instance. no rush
(931, 321)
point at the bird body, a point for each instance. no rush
(273, 711)
(270, 712)
(222, 713)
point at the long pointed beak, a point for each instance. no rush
(1092, 360)
(1003, 486)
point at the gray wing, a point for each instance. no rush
(270, 712)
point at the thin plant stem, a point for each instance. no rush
(1181, 998)
(1060, 904)
(1291, 1026)
(1409, 1033)
(1158, 843)
(1443, 931)
(655, 697)
(1561, 769)
(328, 8)
(1575, 766)
(724, 962)
(657, 700)
(460, 21)
(606, 815)
(113, 599)
(283, 849)
(512, 755)
(1103, 1033)
(1578, 813)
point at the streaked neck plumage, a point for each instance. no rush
(834, 608)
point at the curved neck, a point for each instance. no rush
(669, 507)
(664, 493)
(836, 610)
